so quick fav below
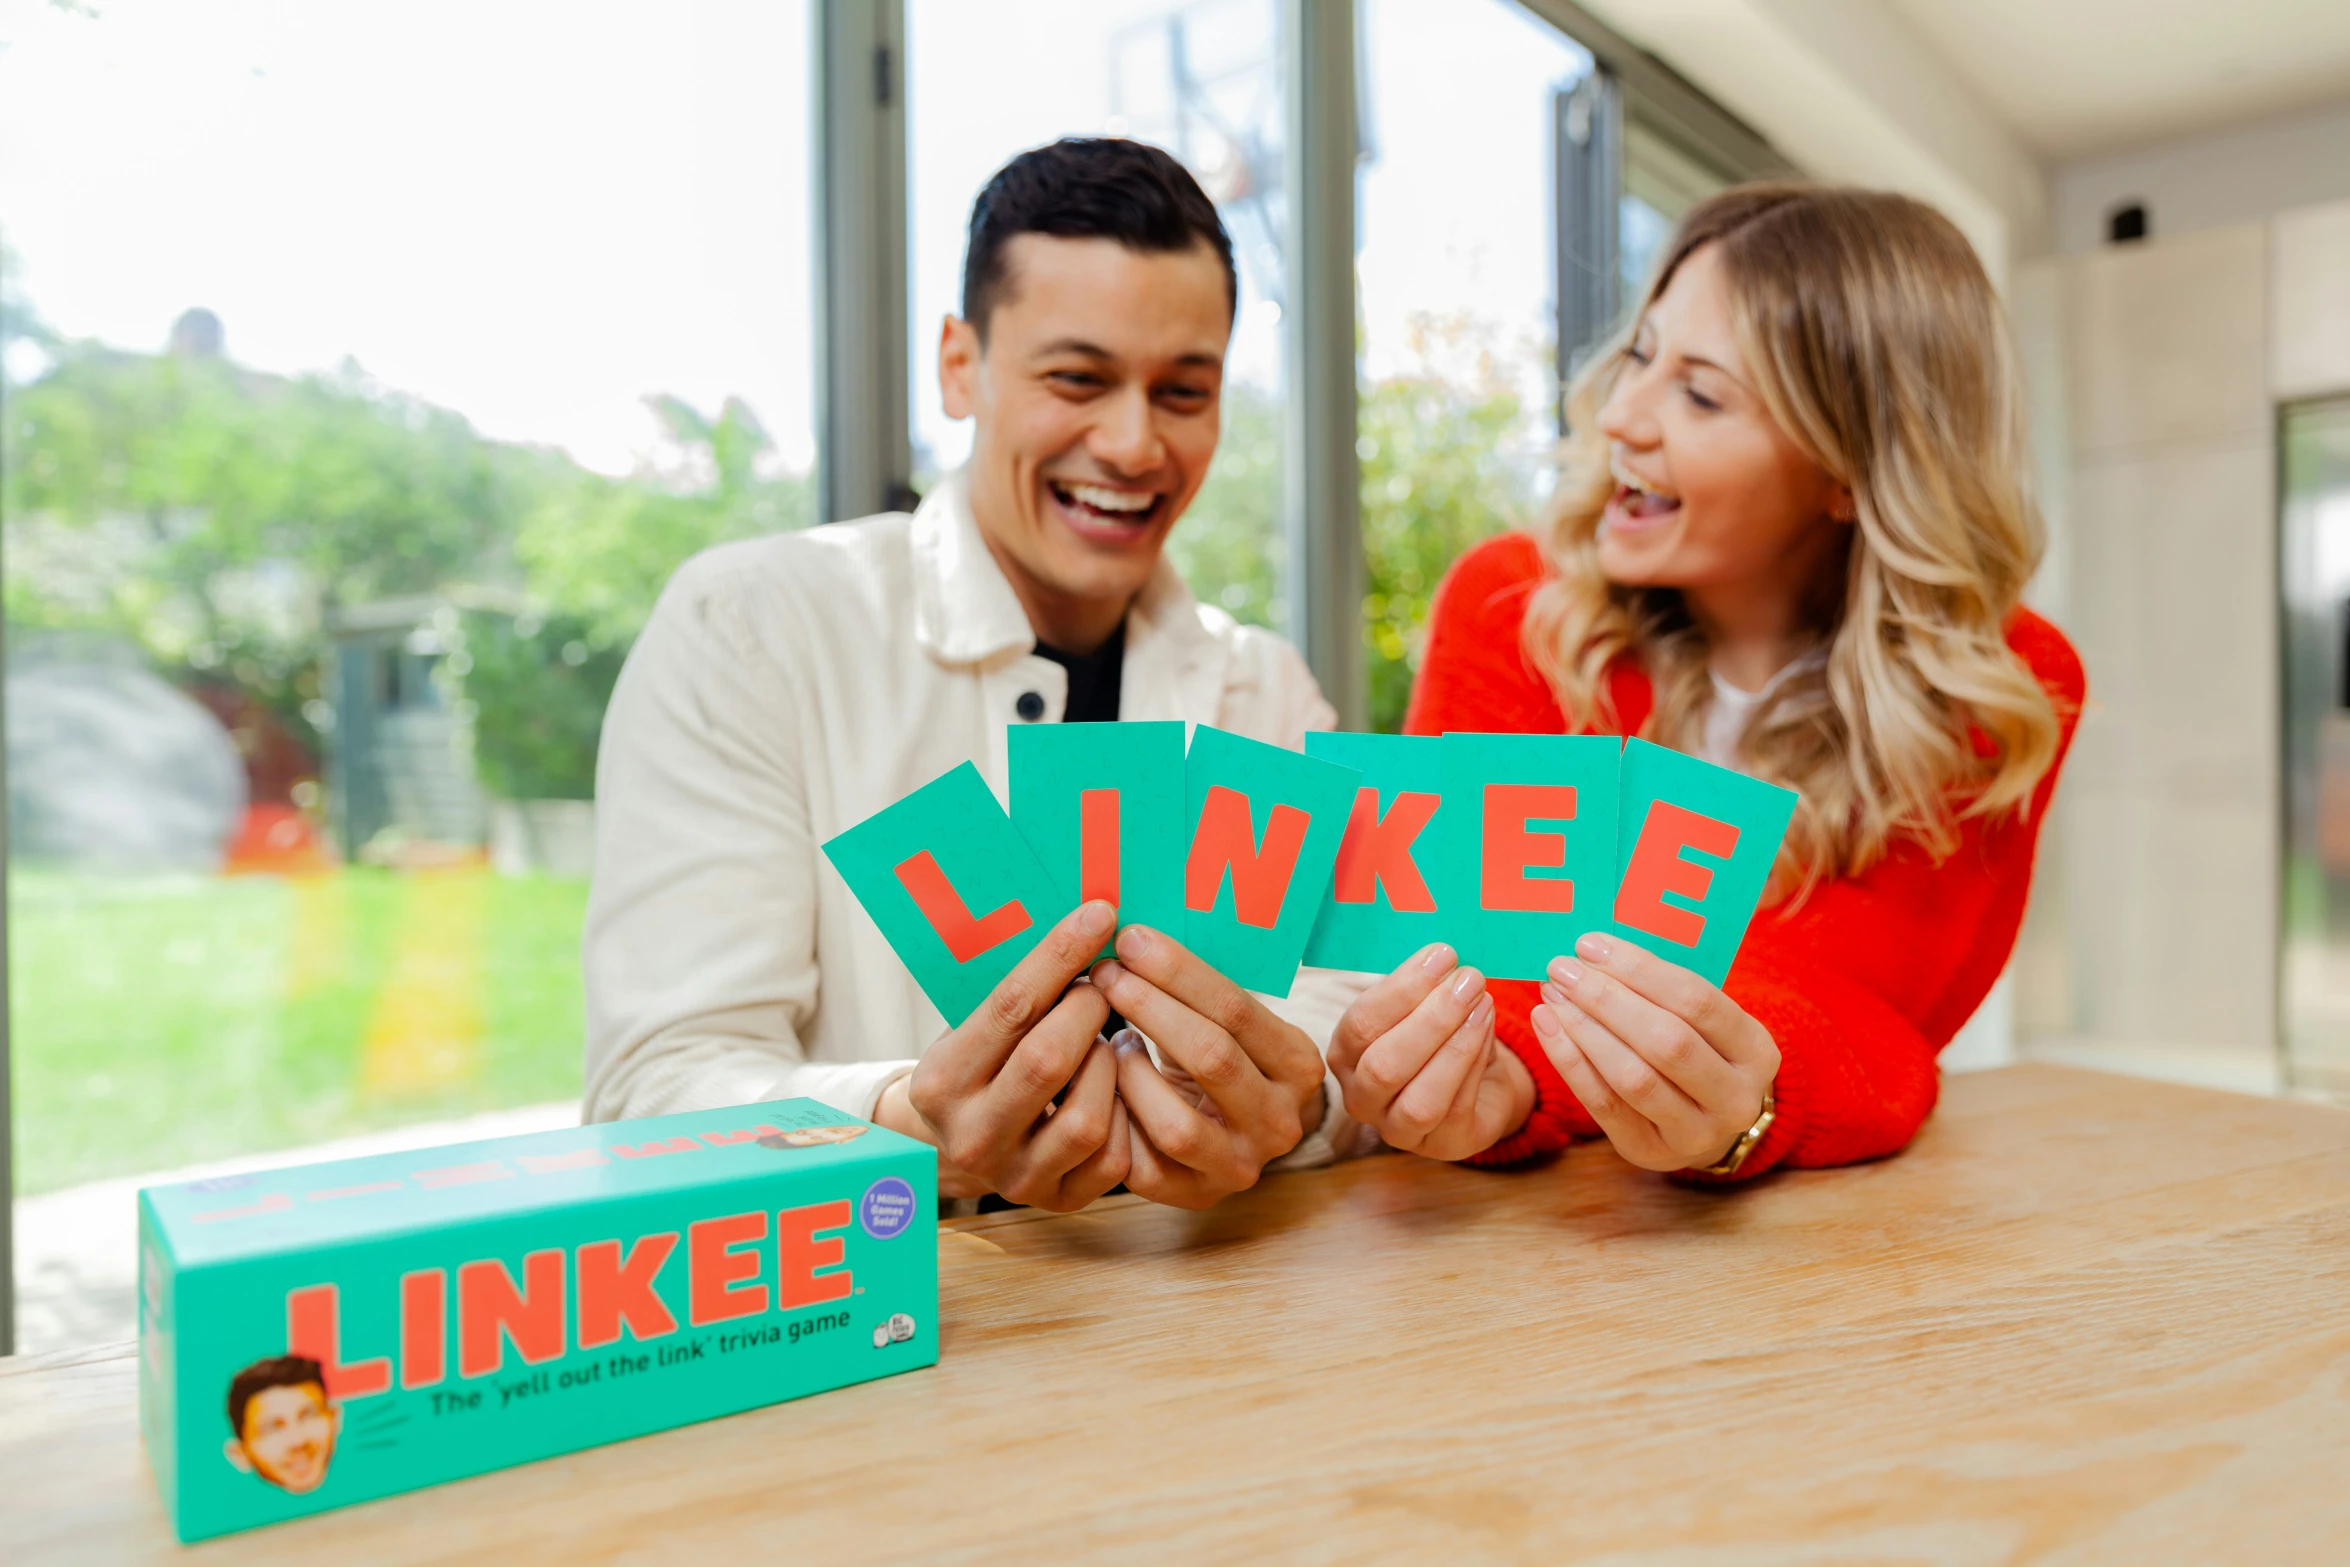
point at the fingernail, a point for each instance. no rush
(1465, 984)
(1552, 994)
(1095, 917)
(1596, 947)
(1126, 1041)
(1482, 1010)
(1107, 973)
(1435, 958)
(1567, 971)
(1547, 1025)
(1134, 942)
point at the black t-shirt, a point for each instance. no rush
(1094, 679)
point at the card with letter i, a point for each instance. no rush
(955, 889)
(1102, 806)
(1697, 843)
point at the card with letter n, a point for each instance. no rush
(1539, 826)
(1698, 842)
(955, 889)
(1102, 806)
(1265, 827)
(1397, 884)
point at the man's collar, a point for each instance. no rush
(965, 611)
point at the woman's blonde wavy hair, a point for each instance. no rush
(1876, 343)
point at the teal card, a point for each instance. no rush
(956, 891)
(1537, 824)
(1102, 806)
(1398, 883)
(1265, 825)
(1697, 846)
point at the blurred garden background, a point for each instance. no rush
(305, 684)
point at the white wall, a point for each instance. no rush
(1850, 91)
(2206, 182)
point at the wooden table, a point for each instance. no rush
(2084, 1319)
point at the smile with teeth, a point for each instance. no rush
(1108, 505)
(1637, 500)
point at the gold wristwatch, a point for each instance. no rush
(1748, 1140)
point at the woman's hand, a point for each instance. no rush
(1673, 1070)
(1417, 1062)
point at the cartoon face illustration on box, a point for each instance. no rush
(811, 1136)
(284, 1422)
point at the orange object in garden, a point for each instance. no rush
(276, 840)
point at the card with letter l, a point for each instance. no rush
(1102, 806)
(1396, 885)
(1538, 828)
(1265, 827)
(1697, 846)
(957, 892)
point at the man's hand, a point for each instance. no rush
(1258, 1079)
(1418, 1062)
(983, 1094)
(1672, 1069)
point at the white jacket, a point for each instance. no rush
(785, 689)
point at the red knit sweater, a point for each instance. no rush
(1861, 984)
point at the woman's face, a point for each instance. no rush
(1710, 492)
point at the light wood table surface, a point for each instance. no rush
(2084, 1319)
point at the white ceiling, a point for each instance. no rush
(2077, 77)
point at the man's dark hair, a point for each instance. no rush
(261, 1376)
(1088, 187)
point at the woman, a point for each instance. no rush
(1792, 538)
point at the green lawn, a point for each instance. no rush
(160, 1022)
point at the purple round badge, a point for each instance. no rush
(887, 1209)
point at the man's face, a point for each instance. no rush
(289, 1435)
(1097, 401)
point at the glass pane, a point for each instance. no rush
(369, 368)
(1661, 182)
(2315, 560)
(990, 78)
(1458, 316)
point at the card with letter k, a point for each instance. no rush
(1397, 884)
(957, 893)
(1697, 843)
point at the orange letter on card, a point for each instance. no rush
(1656, 868)
(1509, 851)
(314, 1329)
(966, 935)
(715, 1271)
(424, 1327)
(612, 1291)
(488, 1304)
(1097, 845)
(1226, 839)
(1377, 852)
(798, 1254)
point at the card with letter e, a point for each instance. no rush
(1102, 806)
(956, 891)
(1397, 884)
(1265, 827)
(1538, 829)
(1698, 843)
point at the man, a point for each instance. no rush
(788, 687)
(284, 1422)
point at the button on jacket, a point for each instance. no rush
(785, 689)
